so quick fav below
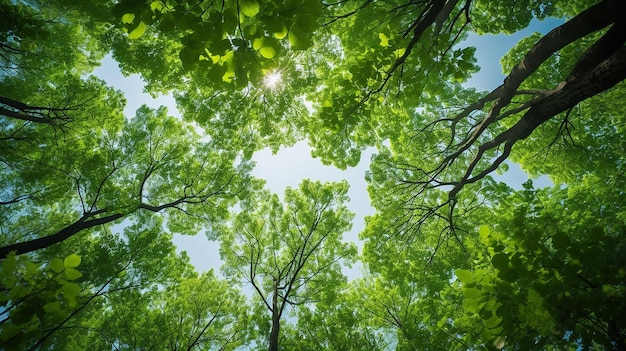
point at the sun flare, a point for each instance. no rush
(272, 79)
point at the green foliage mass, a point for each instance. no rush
(452, 258)
(36, 297)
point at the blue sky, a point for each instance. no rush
(289, 166)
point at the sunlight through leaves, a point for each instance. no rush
(272, 79)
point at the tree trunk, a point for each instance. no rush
(275, 321)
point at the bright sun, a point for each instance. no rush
(272, 79)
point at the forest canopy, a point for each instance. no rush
(453, 258)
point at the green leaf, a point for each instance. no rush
(128, 18)
(298, 38)
(70, 290)
(156, 6)
(500, 261)
(249, 7)
(384, 40)
(268, 52)
(72, 274)
(71, 261)
(9, 264)
(57, 265)
(167, 23)
(188, 21)
(282, 33)
(257, 43)
(471, 293)
(270, 48)
(459, 76)
(484, 231)
(8, 282)
(399, 52)
(188, 57)
(492, 322)
(52, 307)
(464, 276)
(138, 31)
(31, 270)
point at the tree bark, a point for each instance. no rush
(275, 320)
(604, 76)
(35, 114)
(86, 222)
(65, 233)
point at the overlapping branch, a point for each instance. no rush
(476, 142)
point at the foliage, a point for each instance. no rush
(556, 277)
(340, 324)
(452, 258)
(233, 40)
(198, 312)
(36, 297)
(291, 254)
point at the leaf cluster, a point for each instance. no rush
(36, 297)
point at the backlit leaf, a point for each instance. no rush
(249, 7)
(128, 18)
(72, 274)
(138, 31)
(71, 261)
(281, 34)
(384, 40)
(57, 265)
(464, 276)
(257, 43)
(267, 52)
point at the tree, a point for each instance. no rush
(132, 171)
(410, 313)
(137, 292)
(198, 312)
(340, 324)
(454, 259)
(40, 79)
(599, 68)
(406, 291)
(72, 164)
(401, 64)
(555, 277)
(46, 297)
(34, 37)
(233, 41)
(292, 253)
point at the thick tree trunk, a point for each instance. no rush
(275, 321)
(602, 77)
